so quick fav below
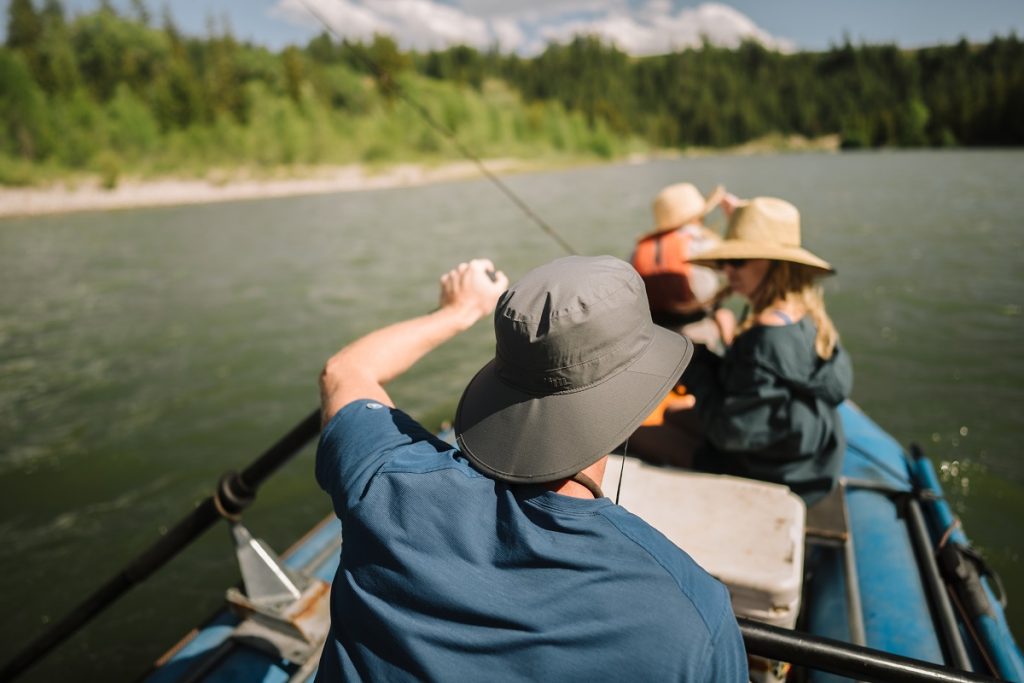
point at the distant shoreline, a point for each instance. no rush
(88, 194)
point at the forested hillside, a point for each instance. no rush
(870, 95)
(112, 94)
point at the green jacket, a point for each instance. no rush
(768, 408)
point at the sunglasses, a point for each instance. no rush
(733, 262)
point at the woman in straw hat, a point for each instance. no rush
(681, 294)
(767, 408)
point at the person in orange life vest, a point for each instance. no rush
(682, 295)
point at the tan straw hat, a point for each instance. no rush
(682, 203)
(764, 227)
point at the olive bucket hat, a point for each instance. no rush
(578, 366)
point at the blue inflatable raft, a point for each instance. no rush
(888, 568)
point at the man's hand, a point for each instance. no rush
(472, 289)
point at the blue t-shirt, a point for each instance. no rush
(448, 575)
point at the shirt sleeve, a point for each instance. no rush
(354, 445)
(728, 660)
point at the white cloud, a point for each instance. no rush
(348, 19)
(419, 24)
(655, 28)
(651, 28)
(508, 34)
(532, 9)
(428, 24)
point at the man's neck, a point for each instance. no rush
(568, 487)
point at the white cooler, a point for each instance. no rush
(748, 534)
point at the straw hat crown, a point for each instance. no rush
(768, 228)
(766, 220)
(682, 203)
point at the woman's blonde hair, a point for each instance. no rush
(795, 283)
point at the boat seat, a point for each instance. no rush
(828, 519)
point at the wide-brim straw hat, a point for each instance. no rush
(578, 366)
(682, 203)
(764, 227)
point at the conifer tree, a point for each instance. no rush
(24, 26)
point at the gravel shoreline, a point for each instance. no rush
(90, 196)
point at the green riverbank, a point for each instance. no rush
(113, 98)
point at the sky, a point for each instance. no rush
(637, 26)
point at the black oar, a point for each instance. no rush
(233, 494)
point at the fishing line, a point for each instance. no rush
(622, 470)
(389, 84)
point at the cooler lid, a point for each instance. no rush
(748, 534)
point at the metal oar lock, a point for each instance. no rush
(283, 612)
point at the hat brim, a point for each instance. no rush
(710, 202)
(521, 437)
(742, 249)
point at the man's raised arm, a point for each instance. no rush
(359, 370)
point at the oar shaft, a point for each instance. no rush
(282, 451)
(170, 544)
(843, 659)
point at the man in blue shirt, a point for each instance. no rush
(501, 559)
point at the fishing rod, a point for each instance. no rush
(386, 81)
(235, 491)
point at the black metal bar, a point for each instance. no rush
(938, 597)
(173, 542)
(843, 659)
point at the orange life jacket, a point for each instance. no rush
(661, 260)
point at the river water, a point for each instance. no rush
(142, 353)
